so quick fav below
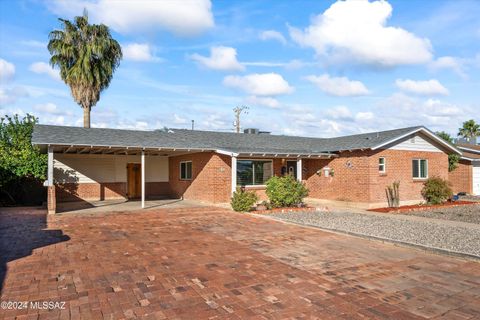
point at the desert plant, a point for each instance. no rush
(436, 190)
(243, 200)
(393, 195)
(285, 191)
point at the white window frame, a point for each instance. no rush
(384, 164)
(253, 173)
(191, 170)
(419, 169)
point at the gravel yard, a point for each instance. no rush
(470, 213)
(453, 236)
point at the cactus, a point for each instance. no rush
(393, 195)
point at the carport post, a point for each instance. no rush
(50, 166)
(234, 174)
(299, 169)
(143, 178)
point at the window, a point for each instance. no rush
(186, 170)
(381, 165)
(253, 172)
(419, 168)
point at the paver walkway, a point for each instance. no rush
(202, 263)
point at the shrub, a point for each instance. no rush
(243, 200)
(393, 195)
(453, 160)
(436, 190)
(285, 191)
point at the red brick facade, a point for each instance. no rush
(461, 177)
(357, 178)
(211, 177)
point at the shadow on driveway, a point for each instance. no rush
(21, 231)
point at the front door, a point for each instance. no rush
(134, 188)
(476, 178)
(292, 168)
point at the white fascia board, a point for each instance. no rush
(469, 150)
(227, 153)
(470, 159)
(428, 133)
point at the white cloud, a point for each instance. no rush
(356, 31)
(455, 64)
(45, 68)
(178, 119)
(272, 35)
(7, 71)
(138, 52)
(263, 101)
(364, 116)
(185, 18)
(264, 84)
(338, 86)
(339, 113)
(11, 95)
(51, 108)
(221, 58)
(428, 87)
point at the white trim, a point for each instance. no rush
(470, 150)
(427, 132)
(50, 166)
(191, 168)
(227, 153)
(469, 159)
(299, 169)
(143, 179)
(234, 174)
(253, 173)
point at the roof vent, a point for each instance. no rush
(251, 131)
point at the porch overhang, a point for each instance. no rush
(293, 155)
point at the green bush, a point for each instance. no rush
(243, 200)
(285, 191)
(436, 190)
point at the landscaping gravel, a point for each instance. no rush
(469, 213)
(450, 236)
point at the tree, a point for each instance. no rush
(87, 57)
(18, 158)
(445, 136)
(470, 129)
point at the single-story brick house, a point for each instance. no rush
(466, 177)
(96, 164)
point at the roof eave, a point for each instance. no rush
(424, 130)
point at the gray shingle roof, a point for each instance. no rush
(209, 140)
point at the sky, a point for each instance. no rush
(310, 68)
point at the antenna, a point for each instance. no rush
(238, 111)
(193, 124)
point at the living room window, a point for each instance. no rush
(254, 172)
(420, 168)
(381, 165)
(186, 170)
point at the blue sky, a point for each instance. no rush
(315, 68)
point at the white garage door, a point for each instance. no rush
(476, 178)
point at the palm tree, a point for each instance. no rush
(470, 129)
(87, 56)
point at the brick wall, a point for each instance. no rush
(211, 177)
(461, 177)
(399, 167)
(357, 179)
(106, 191)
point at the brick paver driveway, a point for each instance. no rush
(203, 263)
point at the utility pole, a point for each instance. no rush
(193, 124)
(238, 111)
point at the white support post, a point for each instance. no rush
(234, 174)
(50, 166)
(143, 179)
(299, 169)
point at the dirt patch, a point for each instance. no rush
(426, 207)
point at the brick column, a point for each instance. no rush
(51, 200)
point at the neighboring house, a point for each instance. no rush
(96, 164)
(466, 177)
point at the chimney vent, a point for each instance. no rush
(251, 131)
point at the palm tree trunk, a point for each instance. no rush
(86, 117)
